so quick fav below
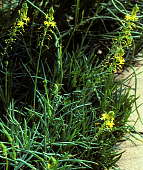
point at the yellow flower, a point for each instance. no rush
(53, 24)
(105, 116)
(108, 116)
(20, 24)
(109, 124)
(46, 23)
(121, 60)
(50, 23)
(127, 32)
(26, 19)
(131, 18)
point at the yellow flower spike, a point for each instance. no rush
(53, 24)
(50, 23)
(122, 60)
(20, 24)
(105, 116)
(108, 116)
(46, 23)
(127, 17)
(26, 19)
(109, 124)
(131, 18)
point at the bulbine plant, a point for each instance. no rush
(123, 41)
(63, 108)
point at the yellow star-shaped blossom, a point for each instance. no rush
(105, 116)
(131, 18)
(50, 23)
(26, 19)
(20, 24)
(110, 124)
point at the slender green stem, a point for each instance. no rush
(38, 64)
(36, 7)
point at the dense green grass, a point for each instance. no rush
(66, 128)
(58, 81)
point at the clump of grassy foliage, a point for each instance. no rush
(61, 107)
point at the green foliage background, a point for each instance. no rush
(56, 84)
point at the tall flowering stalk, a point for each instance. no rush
(18, 26)
(108, 119)
(107, 124)
(123, 41)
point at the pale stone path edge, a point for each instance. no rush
(132, 158)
